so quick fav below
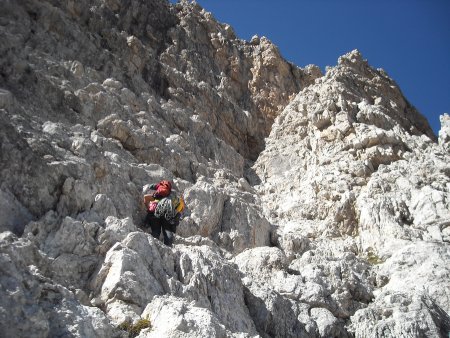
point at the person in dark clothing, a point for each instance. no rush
(163, 213)
(158, 225)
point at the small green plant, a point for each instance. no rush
(134, 329)
(373, 258)
(125, 326)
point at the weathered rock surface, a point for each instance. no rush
(351, 162)
(317, 206)
(140, 268)
(444, 133)
(33, 305)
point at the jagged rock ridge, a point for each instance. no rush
(340, 227)
(349, 168)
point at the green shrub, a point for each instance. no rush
(134, 329)
(373, 258)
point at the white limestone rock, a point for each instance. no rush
(115, 231)
(32, 305)
(140, 268)
(13, 215)
(444, 132)
(174, 317)
(400, 314)
(420, 268)
(130, 277)
(275, 315)
(205, 205)
(350, 160)
(344, 213)
(213, 208)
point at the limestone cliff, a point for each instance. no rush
(317, 205)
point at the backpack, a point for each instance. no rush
(162, 190)
(178, 204)
(152, 206)
(169, 207)
(150, 202)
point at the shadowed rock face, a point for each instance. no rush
(317, 206)
(169, 85)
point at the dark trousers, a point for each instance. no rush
(158, 225)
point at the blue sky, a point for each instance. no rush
(409, 39)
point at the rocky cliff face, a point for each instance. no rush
(317, 205)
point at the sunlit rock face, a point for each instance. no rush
(351, 167)
(317, 205)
